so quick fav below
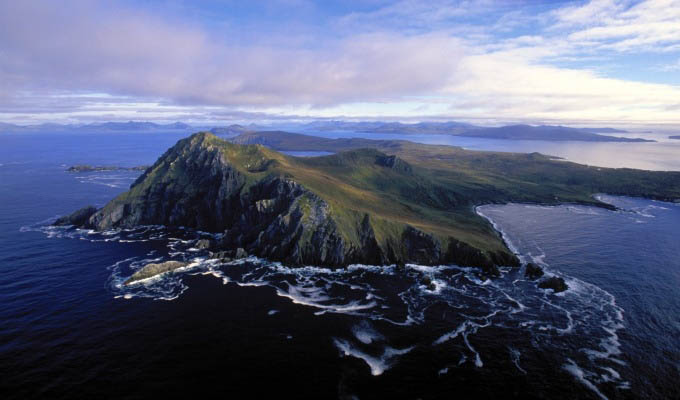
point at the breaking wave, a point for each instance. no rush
(455, 313)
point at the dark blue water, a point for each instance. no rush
(69, 329)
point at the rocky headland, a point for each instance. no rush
(389, 205)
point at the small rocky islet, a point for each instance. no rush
(534, 272)
(152, 269)
(394, 204)
(106, 168)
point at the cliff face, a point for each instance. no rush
(191, 185)
(271, 207)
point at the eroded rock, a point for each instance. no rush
(557, 284)
(153, 269)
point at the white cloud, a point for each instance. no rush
(161, 68)
(651, 25)
(588, 13)
(140, 55)
(509, 88)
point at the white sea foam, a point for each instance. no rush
(577, 372)
(514, 356)
(315, 297)
(377, 364)
(507, 302)
(504, 236)
(366, 333)
(584, 210)
(461, 329)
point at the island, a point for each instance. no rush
(374, 202)
(674, 137)
(507, 132)
(90, 168)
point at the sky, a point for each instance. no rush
(602, 62)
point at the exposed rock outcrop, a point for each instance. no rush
(395, 163)
(557, 284)
(533, 271)
(151, 270)
(78, 218)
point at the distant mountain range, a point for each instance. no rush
(674, 137)
(231, 130)
(509, 132)
(130, 126)
(385, 127)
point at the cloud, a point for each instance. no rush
(623, 26)
(140, 55)
(509, 88)
(589, 12)
(403, 59)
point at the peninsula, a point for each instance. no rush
(374, 202)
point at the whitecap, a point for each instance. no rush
(514, 356)
(377, 364)
(577, 372)
(365, 333)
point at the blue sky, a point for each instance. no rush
(486, 61)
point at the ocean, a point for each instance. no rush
(70, 329)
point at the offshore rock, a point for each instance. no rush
(533, 271)
(151, 270)
(555, 283)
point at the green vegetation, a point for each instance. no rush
(373, 201)
(445, 183)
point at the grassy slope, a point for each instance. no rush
(353, 184)
(446, 182)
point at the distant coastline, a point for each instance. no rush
(550, 133)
